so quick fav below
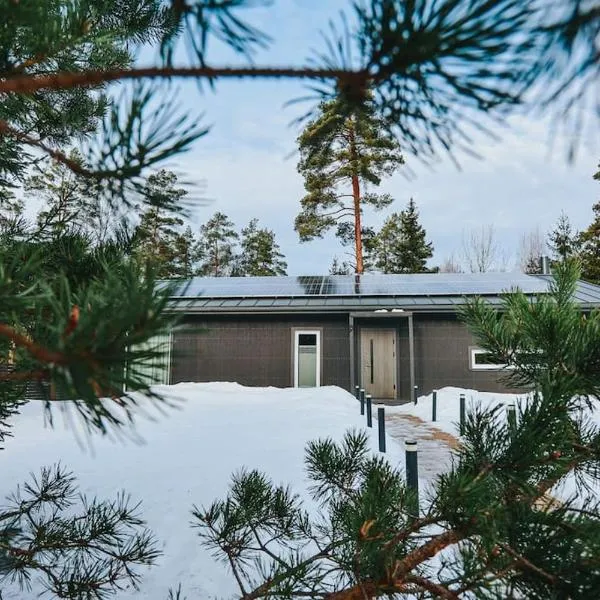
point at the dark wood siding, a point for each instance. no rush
(256, 350)
(442, 345)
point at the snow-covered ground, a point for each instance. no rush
(448, 406)
(185, 456)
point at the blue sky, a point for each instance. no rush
(246, 171)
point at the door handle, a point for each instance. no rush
(371, 352)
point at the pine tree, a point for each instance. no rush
(217, 242)
(563, 240)
(589, 243)
(65, 196)
(186, 255)
(341, 154)
(345, 233)
(260, 254)
(158, 233)
(402, 245)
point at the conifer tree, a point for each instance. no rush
(589, 243)
(159, 229)
(563, 241)
(345, 233)
(217, 243)
(341, 155)
(260, 253)
(186, 255)
(66, 198)
(402, 245)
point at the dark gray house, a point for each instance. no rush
(386, 333)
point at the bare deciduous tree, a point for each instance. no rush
(531, 248)
(451, 265)
(482, 252)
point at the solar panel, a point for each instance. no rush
(370, 284)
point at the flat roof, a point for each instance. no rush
(371, 291)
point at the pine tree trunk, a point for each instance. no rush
(356, 200)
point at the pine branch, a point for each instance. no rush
(527, 564)
(26, 84)
(438, 590)
(37, 351)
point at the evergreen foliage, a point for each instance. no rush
(345, 233)
(85, 335)
(68, 203)
(401, 243)
(187, 255)
(260, 253)
(11, 214)
(340, 267)
(563, 241)
(589, 244)
(158, 234)
(488, 529)
(218, 240)
(341, 153)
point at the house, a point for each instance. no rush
(386, 333)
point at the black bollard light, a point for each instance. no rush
(381, 426)
(434, 406)
(412, 475)
(361, 393)
(462, 414)
(369, 411)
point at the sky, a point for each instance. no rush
(246, 166)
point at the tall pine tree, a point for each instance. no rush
(158, 232)
(186, 255)
(402, 246)
(342, 153)
(260, 253)
(562, 240)
(217, 241)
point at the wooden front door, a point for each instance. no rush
(378, 362)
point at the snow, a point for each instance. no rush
(448, 406)
(448, 417)
(185, 457)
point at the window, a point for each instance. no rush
(307, 358)
(480, 360)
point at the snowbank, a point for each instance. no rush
(448, 406)
(185, 457)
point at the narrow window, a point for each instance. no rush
(482, 361)
(307, 359)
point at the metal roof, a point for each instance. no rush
(429, 292)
